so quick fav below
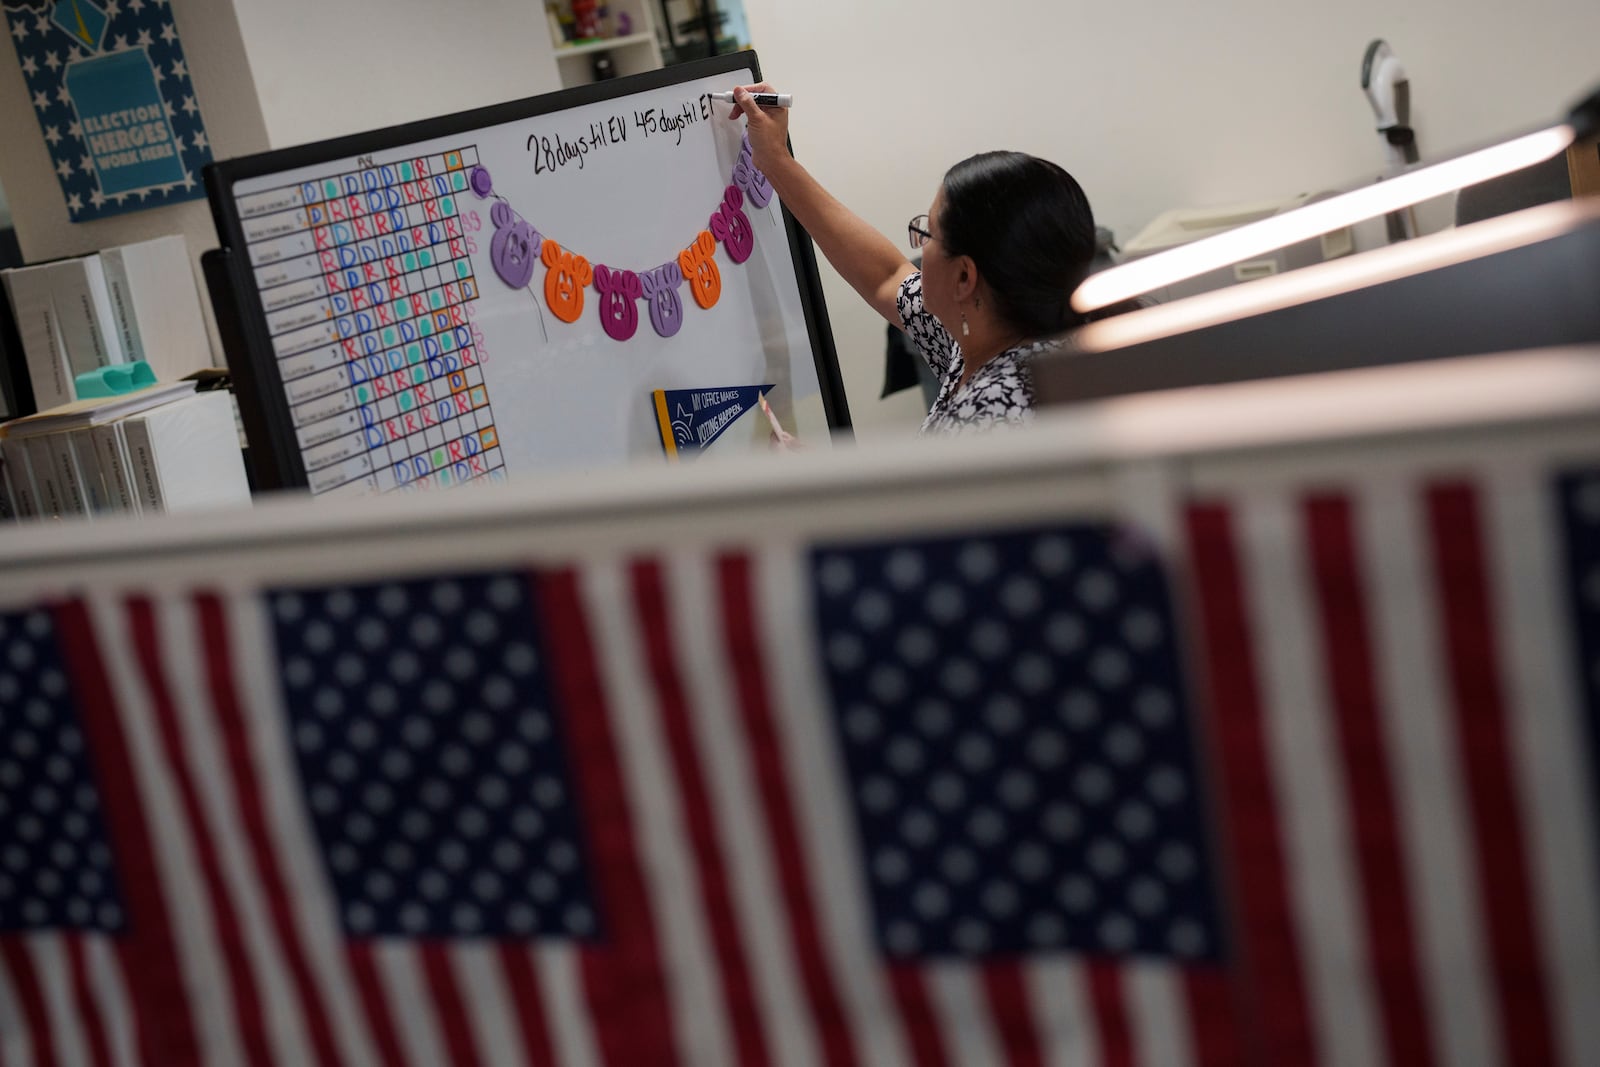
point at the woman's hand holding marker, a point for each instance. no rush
(762, 99)
(768, 127)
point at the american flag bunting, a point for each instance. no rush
(1317, 789)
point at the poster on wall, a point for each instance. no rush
(111, 87)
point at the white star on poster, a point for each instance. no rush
(189, 106)
(52, 135)
(52, 61)
(29, 67)
(87, 164)
(200, 139)
(145, 40)
(19, 29)
(169, 33)
(136, 6)
(180, 69)
(188, 180)
(75, 130)
(113, 9)
(120, 44)
(166, 105)
(41, 101)
(43, 25)
(64, 168)
(63, 94)
(75, 203)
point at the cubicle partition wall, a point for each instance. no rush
(1151, 735)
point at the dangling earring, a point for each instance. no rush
(964, 330)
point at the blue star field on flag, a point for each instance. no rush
(431, 750)
(1021, 757)
(55, 859)
(110, 84)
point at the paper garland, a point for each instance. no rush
(516, 246)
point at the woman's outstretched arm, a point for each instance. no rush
(862, 256)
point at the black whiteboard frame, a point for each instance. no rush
(263, 403)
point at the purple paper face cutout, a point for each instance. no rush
(515, 246)
(745, 175)
(731, 226)
(618, 289)
(660, 287)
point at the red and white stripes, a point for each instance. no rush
(1402, 783)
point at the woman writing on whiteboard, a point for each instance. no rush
(1006, 240)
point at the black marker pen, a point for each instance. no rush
(761, 99)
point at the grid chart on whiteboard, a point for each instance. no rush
(368, 290)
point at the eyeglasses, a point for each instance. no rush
(918, 233)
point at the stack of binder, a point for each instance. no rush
(161, 449)
(77, 316)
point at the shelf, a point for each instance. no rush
(603, 45)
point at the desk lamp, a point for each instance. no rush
(1395, 194)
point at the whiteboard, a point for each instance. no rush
(570, 280)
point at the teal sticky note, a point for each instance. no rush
(114, 380)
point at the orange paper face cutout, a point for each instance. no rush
(565, 281)
(700, 268)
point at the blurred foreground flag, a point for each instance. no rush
(931, 800)
(1401, 675)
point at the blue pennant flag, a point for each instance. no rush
(690, 419)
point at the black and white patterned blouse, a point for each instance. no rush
(1000, 393)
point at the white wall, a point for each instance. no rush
(1150, 105)
(324, 68)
